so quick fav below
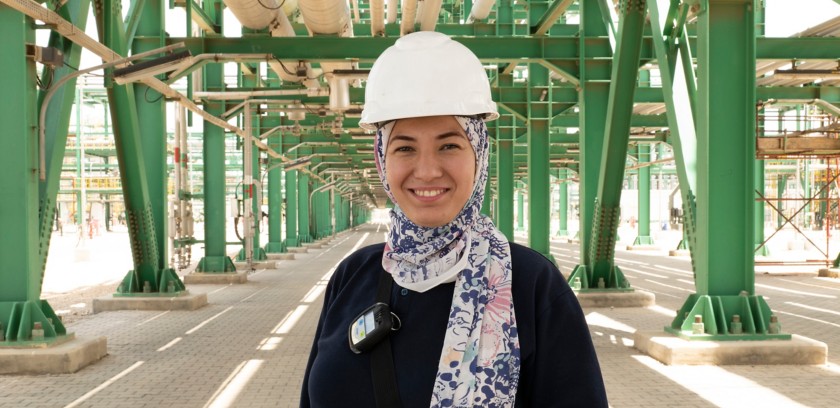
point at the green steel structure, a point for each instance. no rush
(566, 76)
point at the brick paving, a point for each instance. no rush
(245, 356)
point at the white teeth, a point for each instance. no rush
(428, 193)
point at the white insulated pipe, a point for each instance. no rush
(326, 16)
(429, 14)
(255, 14)
(409, 13)
(377, 18)
(481, 9)
(392, 11)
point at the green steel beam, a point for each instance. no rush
(215, 258)
(504, 182)
(643, 185)
(58, 121)
(132, 20)
(595, 91)
(152, 108)
(275, 197)
(149, 274)
(21, 271)
(601, 272)
(538, 164)
(723, 257)
(547, 20)
(563, 203)
(304, 233)
(678, 84)
(291, 196)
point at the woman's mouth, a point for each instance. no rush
(429, 193)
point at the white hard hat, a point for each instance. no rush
(426, 73)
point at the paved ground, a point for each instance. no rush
(248, 347)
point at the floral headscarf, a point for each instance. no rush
(480, 360)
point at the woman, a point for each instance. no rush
(483, 322)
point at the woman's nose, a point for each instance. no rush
(428, 166)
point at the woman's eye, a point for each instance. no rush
(403, 149)
(450, 146)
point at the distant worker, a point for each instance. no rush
(482, 322)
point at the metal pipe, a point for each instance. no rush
(42, 117)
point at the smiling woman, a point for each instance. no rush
(430, 166)
(447, 313)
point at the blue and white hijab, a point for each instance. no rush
(480, 361)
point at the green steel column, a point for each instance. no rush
(57, 122)
(644, 237)
(781, 185)
(539, 115)
(215, 218)
(213, 154)
(806, 183)
(151, 107)
(759, 209)
(520, 210)
(149, 274)
(723, 256)
(21, 266)
(275, 201)
(600, 271)
(678, 86)
(563, 203)
(291, 200)
(303, 203)
(593, 99)
(504, 188)
(486, 207)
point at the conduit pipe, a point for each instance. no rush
(377, 18)
(356, 17)
(481, 9)
(223, 96)
(409, 13)
(429, 14)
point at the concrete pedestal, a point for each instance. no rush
(283, 256)
(186, 301)
(672, 350)
(243, 266)
(312, 245)
(643, 248)
(679, 252)
(637, 298)
(216, 278)
(829, 273)
(298, 250)
(63, 358)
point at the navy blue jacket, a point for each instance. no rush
(559, 366)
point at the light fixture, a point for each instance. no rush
(145, 69)
(807, 74)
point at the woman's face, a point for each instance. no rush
(430, 166)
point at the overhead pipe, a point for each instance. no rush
(429, 14)
(481, 9)
(377, 18)
(409, 13)
(392, 11)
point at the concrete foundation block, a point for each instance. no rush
(186, 301)
(637, 298)
(201, 278)
(671, 350)
(298, 250)
(829, 273)
(284, 256)
(312, 245)
(679, 252)
(64, 358)
(243, 266)
(643, 248)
